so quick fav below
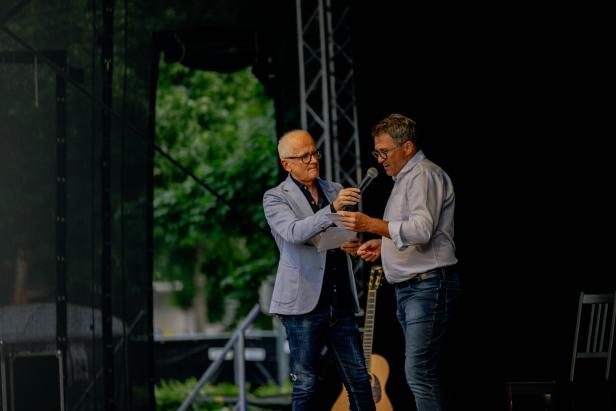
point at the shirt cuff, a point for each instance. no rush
(395, 228)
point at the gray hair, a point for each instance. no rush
(283, 142)
(399, 127)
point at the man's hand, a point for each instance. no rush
(346, 197)
(370, 250)
(350, 247)
(355, 221)
(361, 223)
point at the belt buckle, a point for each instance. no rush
(419, 277)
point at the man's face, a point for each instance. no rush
(300, 145)
(396, 155)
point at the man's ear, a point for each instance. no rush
(409, 147)
(285, 165)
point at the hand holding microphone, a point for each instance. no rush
(360, 222)
(347, 198)
(355, 193)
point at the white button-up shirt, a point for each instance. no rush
(420, 213)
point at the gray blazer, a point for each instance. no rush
(296, 229)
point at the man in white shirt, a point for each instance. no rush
(417, 250)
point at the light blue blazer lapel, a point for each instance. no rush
(296, 198)
(328, 189)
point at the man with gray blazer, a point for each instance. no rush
(314, 293)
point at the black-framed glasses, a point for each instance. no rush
(383, 153)
(308, 156)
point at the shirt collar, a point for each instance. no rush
(323, 200)
(419, 155)
(302, 186)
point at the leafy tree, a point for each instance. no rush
(221, 127)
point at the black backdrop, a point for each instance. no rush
(509, 102)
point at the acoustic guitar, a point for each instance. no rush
(375, 364)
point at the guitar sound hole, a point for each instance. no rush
(376, 388)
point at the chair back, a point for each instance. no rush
(594, 329)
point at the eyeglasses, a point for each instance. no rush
(308, 156)
(383, 153)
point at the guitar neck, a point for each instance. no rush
(369, 326)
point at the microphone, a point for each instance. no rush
(370, 175)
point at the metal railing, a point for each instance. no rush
(236, 341)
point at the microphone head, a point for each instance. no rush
(370, 174)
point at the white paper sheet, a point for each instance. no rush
(333, 237)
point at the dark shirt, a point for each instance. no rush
(336, 290)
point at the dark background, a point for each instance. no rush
(511, 103)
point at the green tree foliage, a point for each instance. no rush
(221, 127)
(170, 394)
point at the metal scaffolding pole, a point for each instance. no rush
(327, 94)
(327, 90)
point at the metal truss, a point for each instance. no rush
(327, 94)
(327, 91)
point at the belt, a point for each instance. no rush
(443, 271)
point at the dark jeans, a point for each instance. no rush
(307, 335)
(425, 309)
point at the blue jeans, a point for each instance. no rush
(425, 309)
(307, 335)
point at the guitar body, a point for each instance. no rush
(375, 364)
(379, 372)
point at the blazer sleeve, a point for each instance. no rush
(283, 220)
